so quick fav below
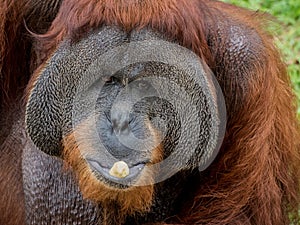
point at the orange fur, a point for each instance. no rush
(171, 17)
(129, 201)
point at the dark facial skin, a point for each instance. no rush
(132, 119)
(123, 115)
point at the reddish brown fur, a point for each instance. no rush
(13, 59)
(257, 171)
(11, 189)
(255, 179)
(172, 17)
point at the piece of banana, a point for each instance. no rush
(120, 170)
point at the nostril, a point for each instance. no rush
(125, 126)
(120, 126)
(120, 121)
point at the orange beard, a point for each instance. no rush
(129, 201)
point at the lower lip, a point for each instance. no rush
(134, 173)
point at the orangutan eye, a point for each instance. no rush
(111, 80)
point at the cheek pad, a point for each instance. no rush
(48, 107)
